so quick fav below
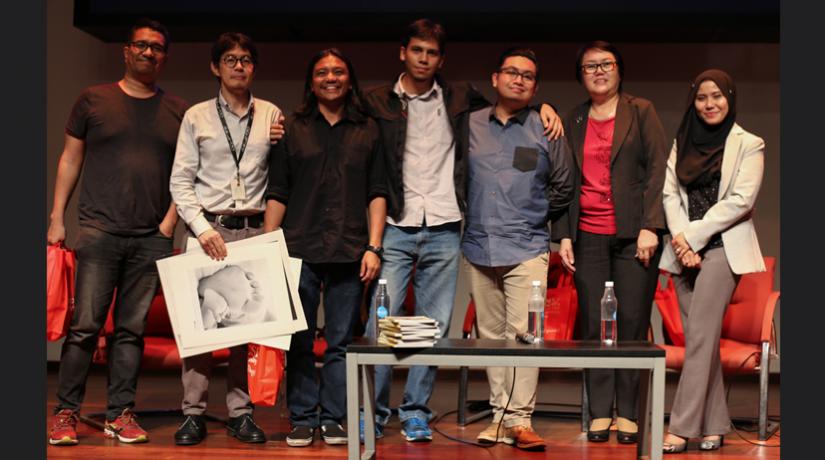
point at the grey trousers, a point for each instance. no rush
(699, 408)
(197, 369)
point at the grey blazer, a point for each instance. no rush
(742, 167)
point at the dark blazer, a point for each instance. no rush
(385, 106)
(638, 162)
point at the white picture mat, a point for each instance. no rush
(175, 271)
(184, 280)
(294, 274)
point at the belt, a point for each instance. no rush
(235, 222)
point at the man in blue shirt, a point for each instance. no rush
(516, 181)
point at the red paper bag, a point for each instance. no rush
(668, 304)
(560, 309)
(265, 370)
(60, 272)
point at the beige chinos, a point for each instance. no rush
(500, 295)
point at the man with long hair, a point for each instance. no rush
(325, 176)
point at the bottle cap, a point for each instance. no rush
(536, 283)
(608, 284)
(382, 281)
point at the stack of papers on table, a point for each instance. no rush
(408, 331)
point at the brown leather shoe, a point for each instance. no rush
(525, 438)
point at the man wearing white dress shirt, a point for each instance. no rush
(218, 181)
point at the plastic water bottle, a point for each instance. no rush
(535, 312)
(382, 306)
(609, 306)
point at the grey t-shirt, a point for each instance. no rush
(130, 147)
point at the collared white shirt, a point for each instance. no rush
(204, 165)
(429, 161)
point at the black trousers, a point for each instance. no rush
(600, 258)
(106, 262)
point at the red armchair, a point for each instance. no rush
(748, 333)
(160, 350)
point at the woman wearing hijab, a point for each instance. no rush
(713, 177)
(610, 232)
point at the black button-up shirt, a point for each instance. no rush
(326, 176)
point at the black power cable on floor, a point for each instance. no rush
(498, 428)
(510, 395)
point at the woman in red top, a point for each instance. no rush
(611, 230)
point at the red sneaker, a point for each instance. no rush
(64, 429)
(126, 429)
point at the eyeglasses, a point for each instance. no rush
(141, 46)
(231, 61)
(512, 73)
(606, 66)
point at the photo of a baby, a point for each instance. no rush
(230, 295)
(248, 297)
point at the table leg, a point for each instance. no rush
(643, 413)
(657, 425)
(368, 377)
(353, 446)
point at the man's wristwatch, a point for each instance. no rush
(378, 250)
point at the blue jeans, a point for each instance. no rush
(105, 262)
(342, 299)
(434, 253)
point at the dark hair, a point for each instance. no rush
(602, 46)
(523, 52)
(228, 40)
(310, 102)
(426, 29)
(146, 23)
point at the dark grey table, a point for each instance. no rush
(364, 353)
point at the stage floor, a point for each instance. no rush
(559, 395)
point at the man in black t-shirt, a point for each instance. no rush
(123, 135)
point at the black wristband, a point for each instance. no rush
(378, 250)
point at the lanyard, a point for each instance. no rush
(235, 155)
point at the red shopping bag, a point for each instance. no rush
(560, 309)
(265, 370)
(668, 304)
(60, 272)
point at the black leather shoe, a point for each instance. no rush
(627, 432)
(626, 438)
(599, 435)
(244, 429)
(191, 432)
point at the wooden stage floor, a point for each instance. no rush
(559, 392)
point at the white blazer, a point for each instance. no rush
(742, 167)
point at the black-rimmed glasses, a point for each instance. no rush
(606, 66)
(231, 61)
(141, 46)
